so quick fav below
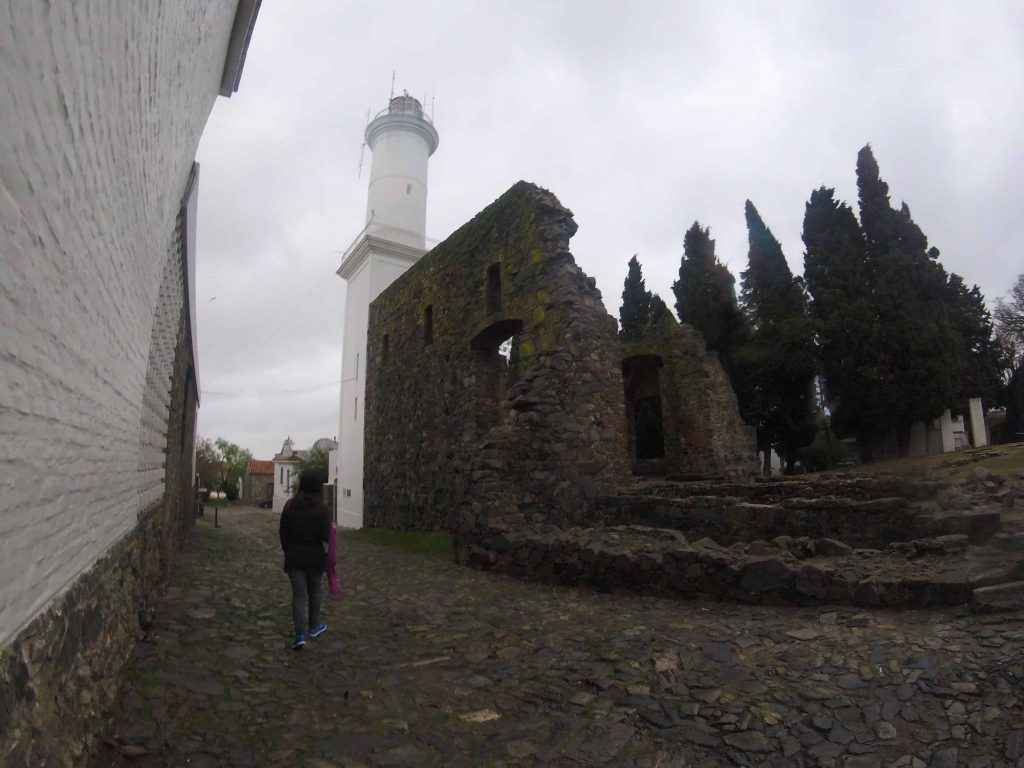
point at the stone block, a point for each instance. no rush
(766, 575)
(997, 598)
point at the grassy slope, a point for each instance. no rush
(1003, 460)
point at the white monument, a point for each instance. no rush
(979, 435)
(401, 139)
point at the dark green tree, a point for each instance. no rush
(635, 312)
(1013, 427)
(315, 463)
(706, 299)
(779, 356)
(1009, 324)
(915, 350)
(840, 286)
(979, 359)
(658, 309)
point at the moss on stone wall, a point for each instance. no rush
(703, 431)
(455, 428)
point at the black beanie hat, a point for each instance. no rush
(309, 484)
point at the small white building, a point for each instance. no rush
(949, 433)
(402, 139)
(286, 464)
(286, 467)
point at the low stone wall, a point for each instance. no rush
(857, 523)
(771, 490)
(933, 545)
(62, 672)
(927, 572)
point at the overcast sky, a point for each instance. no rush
(641, 117)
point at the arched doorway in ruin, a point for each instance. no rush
(645, 425)
(495, 355)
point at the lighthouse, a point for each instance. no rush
(402, 139)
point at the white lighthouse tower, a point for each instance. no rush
(402, 139)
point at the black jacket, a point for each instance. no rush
(305, 526)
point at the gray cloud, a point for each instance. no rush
(641, 118)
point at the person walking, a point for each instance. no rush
(305, 530)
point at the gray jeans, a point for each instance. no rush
(305, 591)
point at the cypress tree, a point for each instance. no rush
(838, 281)
(635, 312)
(658, 309)
(706, 298)
(979, 360)
(780, 352)
(916, 338)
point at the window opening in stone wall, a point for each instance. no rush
(428, 324)
(505, 349)
(492, 293)
(495, 362)
(641, 376)
(384, 348)
(355, 410)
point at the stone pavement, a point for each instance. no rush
(429, 663)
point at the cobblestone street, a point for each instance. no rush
(428, 663)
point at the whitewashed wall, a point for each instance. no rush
(102, 105)
(284, 471)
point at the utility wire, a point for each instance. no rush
(320, 285)
(263, 392)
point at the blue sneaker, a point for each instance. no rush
(300, 642)
(318, 630)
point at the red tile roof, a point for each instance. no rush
(260, 467)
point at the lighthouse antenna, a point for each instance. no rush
(362, 149)
(392, 94)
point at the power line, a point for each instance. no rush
(314, 388)
(264, 392)
(321, 285)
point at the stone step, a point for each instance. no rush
(658, 561)
(858, 523)
(998, 598)
(776, 489)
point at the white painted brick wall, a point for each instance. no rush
(101, 109)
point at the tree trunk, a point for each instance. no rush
(864, 444)
(903, 440)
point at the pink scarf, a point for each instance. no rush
(332, 560)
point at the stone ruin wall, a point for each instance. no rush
(454, 434)
(704, 436)
(527, 458)
(865, 541)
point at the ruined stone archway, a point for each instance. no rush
(645, 426)
(494, 360)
